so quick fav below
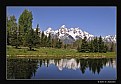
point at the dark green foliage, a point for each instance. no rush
(21, 68)
(105, 48)
(30, 39)
(49, 41)
(100, 44)
(112, 47)
(58, 44)
(12, 32)
(45, 41)
(37, 30)
(91, 47)
(37, 37)
(84, 45)
(25, 24)
(42, 39)
(95, 44)
(25, 21)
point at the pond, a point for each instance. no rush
(62, 69)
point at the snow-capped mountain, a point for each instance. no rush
(110, 38)
(73, 64)
(69, 35)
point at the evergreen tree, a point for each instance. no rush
(45, 41)
(100, 44)
(37, 29)
(37, 38)
(25, 24)
(12, 32)
(8, 30)
(30, 39)
(91, 47)
(95, 44)
(42, 39)
(49, 41)
(84, 45)
(58, 44)
(112, 47)
(105, 48)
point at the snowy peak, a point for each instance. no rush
(72, 34)
(63, 26)
(110, 38)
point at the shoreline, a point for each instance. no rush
(58, 56)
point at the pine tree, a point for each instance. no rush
(12, 32)
(100, 45)
(37, 29)
(45, 41)
(8, 30)
(30, 41)
(95, 44)
(25, 24)
(91, 47)
(42, 39)
(112, 47)
(84, 45)
(105, 48)
(37, 38)
(58, 44)
(49, 41)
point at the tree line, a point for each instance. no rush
(96, 45)
(22, 34)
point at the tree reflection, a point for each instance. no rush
(95, 65)
(21, 68)
(40, 61)
(83, 65)
(26, 68)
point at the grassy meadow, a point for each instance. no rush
(53, 52)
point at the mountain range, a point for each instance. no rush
(72, 64)
(69, 35)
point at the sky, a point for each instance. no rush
(96, 20)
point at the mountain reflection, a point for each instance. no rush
(26, 68)
(94, 65)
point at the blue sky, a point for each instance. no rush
(97, 20)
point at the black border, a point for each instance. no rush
(53, 3)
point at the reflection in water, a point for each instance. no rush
(26, 68)
(21, 68)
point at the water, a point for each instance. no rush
(65, 69)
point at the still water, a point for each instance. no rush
(65, 69)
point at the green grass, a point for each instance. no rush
(52, 52)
